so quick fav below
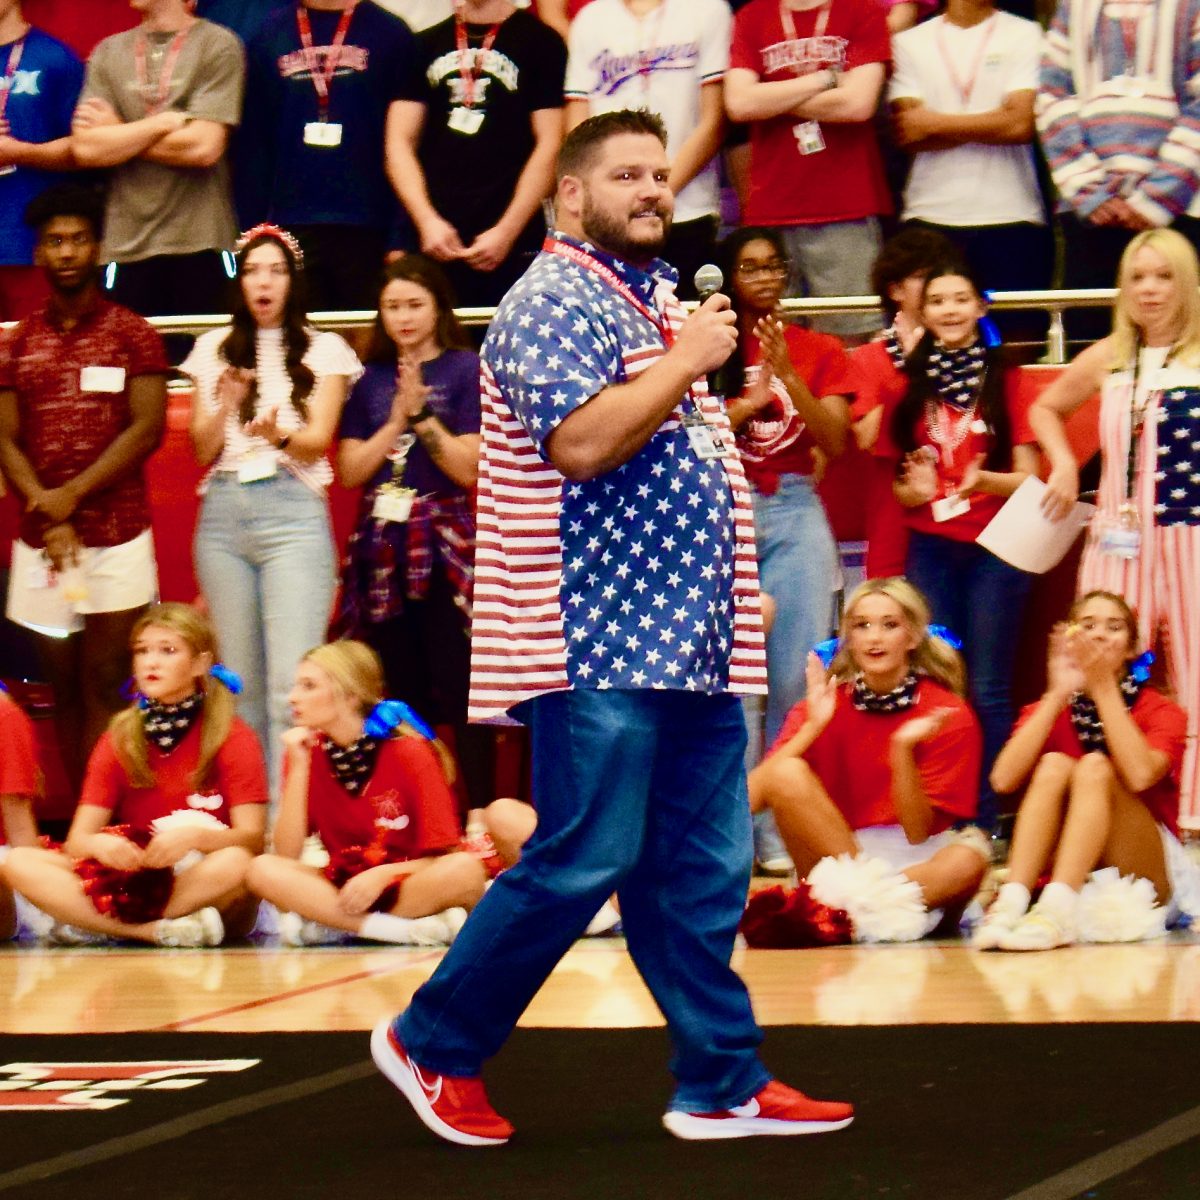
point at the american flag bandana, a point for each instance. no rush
(166, 725)
(957, 375)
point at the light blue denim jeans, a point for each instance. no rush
(265, 561)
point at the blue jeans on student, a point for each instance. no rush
(981, 598)
(264, 558)
(642, 793)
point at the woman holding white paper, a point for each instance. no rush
(966, 449)
(1144, 543)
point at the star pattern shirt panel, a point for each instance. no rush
(1177, 457)
(648, 550)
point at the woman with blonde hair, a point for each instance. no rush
(1101, 753)
(873, 768)
(368, 778)
(1144, 541)
(172, 810)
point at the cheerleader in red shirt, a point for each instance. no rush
(876, 765)
(368, 778)
(172, 810)
(1102, 753)
(19, 784)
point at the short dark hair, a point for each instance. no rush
(911, 251)
(67, 200)
(580, 145)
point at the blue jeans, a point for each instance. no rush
(982, 599)
(264, 558)
(642, 793)
(797, 567)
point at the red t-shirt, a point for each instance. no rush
(237, 776)
(952, 461)
(850, 757)
(65, 428)
(845, 180)
(776, 441)
(878, 382)
(18, 755)
(1164, 725)
(407, 804)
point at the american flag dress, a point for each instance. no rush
(1162, 584)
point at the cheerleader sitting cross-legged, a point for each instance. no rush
(874, 767)
(172, 810)
(371, 782)
(1101, 752)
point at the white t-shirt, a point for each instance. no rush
(659, 61)
(973, 184)
(327, 354)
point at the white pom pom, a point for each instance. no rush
(884, 906)
(313, 853)
(187, 818)
(1116, 908)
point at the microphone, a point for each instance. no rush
(708, 281)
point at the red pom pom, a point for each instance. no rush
(132, 897)
(354, 860)
(776, 919)
(484, 849)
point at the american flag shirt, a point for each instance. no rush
(644, 577)
(1177, 477)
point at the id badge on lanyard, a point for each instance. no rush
(701, 436)
(323, 132)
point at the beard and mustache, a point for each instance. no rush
(620, 235)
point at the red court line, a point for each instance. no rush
(263, 1001)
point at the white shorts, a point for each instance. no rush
(108, 579)
(890, 843)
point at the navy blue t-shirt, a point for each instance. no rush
(453, 380)
(244, 17)
(42, 98)
(280, 178)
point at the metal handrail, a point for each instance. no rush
(1053, 302)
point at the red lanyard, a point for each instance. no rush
(789, 22)
(965, 89)
(947, 435)
(14, 61)
(321, 79)
(589, 263)
(165, 75)
(466, 65)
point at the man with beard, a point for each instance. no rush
(82, 404)
(617, 613)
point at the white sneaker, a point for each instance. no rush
(604, 922)
(295, 930)
(61, 934)
(435, 930)
(1037, 930)
(201, 928)
(995, 924)
(455, 919)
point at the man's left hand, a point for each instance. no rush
(488, 250)
(93, 113)
(56, 504)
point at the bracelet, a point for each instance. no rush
(284, 442)
(834, 77)
(422, 414)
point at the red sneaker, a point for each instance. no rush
(455, 1108)
(777, 1111)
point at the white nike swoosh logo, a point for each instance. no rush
(749, 1109)
(434, 1090)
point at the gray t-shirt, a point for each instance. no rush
(155, 209)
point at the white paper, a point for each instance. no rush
(1021, 534)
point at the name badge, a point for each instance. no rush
(702, 439)
(466, 120)
(254, 467)
(323, 133)
(40, 576)
(394, 504)
(809, 138)
(102, 379)
(950, 507)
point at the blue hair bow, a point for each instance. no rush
(387, 714)
(1139, 668)
(946, 635)
(827, 650)
(987, 328)
(231, 679)
(3, 688)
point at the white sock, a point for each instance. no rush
(1012, 898)
(384, 927)
(1059, 901)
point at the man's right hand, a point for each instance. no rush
(440, 240)
(709, 336)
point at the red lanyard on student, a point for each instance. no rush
(165, 75)
(14, 61)
(948, 435)
(466, 66)
(321, 79)
(965, 89)
(589, 263)
(789, 22)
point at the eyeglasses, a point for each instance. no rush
(771, 270)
